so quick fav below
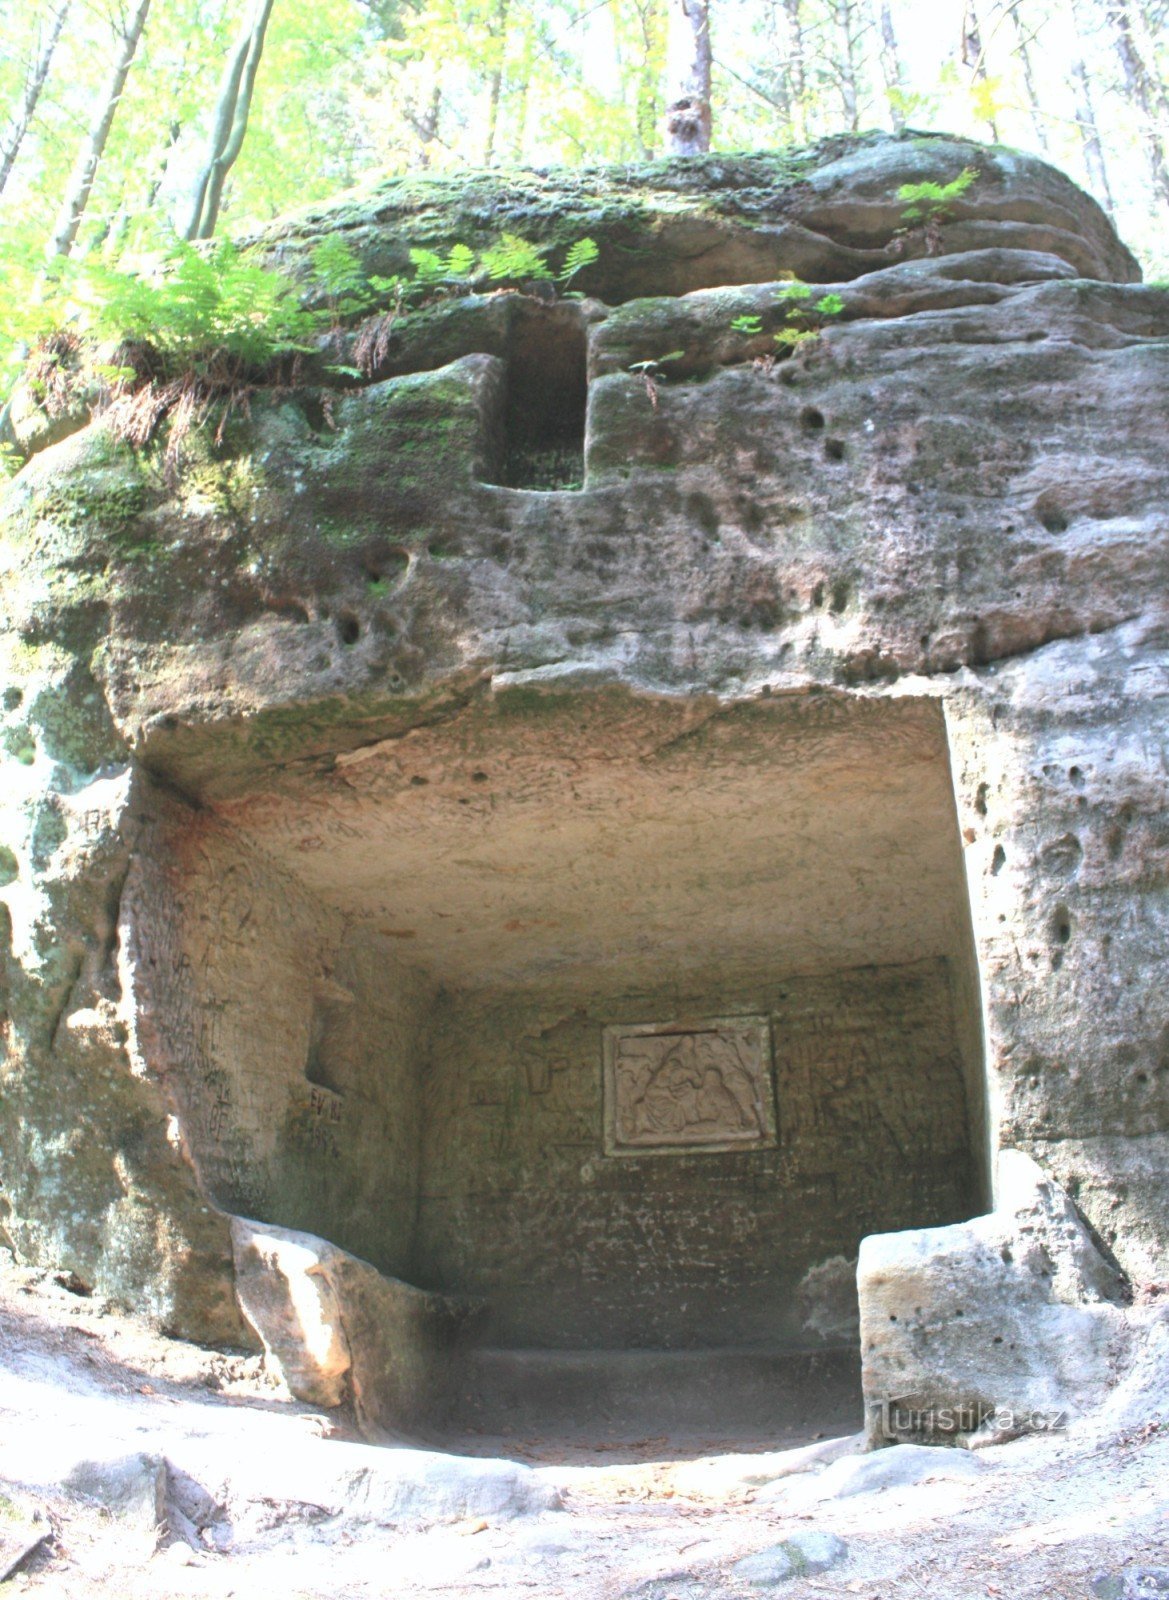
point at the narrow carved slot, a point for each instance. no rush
(544, 420)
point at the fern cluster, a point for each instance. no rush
(197, 304)
(932, 202)
(197, 327)
(338, 273)
(802, 320)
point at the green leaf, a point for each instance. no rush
(747, 325)
(336, 267)
(580, 255)
(929, 201)
(460, 261)
(791, 337)
(829, 305)
(429, 267)
(514, 260)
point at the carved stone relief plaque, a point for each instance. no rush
(671, 1088)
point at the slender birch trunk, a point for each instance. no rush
(33, 85)
(80, 184)
(844, 14)
(1034, 104)
(974, 58)
(1090, 131)
(1144, 90)
(495, 96)
(891, 65)
(787, 33)
(688, 64)
(650, 16)
(229, 124)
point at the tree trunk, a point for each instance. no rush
(787, 32)
(688, 62)
(844, 16)
(425, 125)
(974, 57)
(1034, 104)
(81, 180)
(499, 35)
(1086, 119)
(891, 66)
(33, 85)
(650, 18)
(1143, 89)
(112, 237)
(229, 124)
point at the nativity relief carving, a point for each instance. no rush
(706, 1086)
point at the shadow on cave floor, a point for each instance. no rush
(618, 1407)
(571, 1408)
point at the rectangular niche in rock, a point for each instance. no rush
(626, 1017)
(671, 1088)
(547, 394)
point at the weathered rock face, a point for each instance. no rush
(984, 1330)
(334, 1327)
(600, 843)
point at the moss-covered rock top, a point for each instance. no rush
(827, 211)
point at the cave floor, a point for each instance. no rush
(284, 1501)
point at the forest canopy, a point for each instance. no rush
(128, 124)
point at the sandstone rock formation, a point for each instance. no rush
(333, 1327)
(990, 1329)
(356, 780)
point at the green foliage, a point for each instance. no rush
(651, 374)
(932, 202)
(338, 271)
(194, 304)
(580, 255)
(515, 260)
(653, 367)
(802, 321)
(790, 339)
(432, 271)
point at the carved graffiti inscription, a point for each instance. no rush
(676, 1088)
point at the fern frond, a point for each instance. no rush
(515, 260)
(580, 255)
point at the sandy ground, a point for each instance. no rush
(270, 1498)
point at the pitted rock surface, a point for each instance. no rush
(925, 556)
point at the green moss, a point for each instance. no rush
(20, 744)
(75, 724)
(84, 499)
(9, 866)
(49, 832)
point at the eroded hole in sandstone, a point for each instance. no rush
(547, 394)
(624, 1020)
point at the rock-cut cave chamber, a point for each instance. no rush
(628, 1018)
